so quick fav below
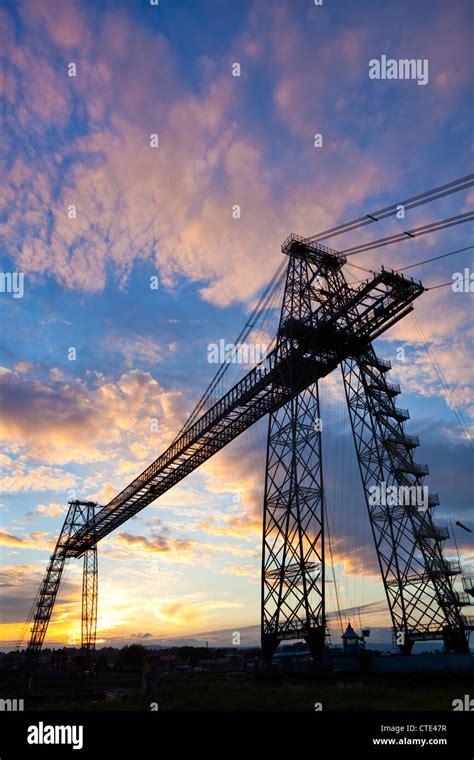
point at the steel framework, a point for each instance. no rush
(90, 580)
(79, 513)
(324, 323)
(417, 577)
(293, 528)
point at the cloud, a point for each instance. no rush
(448, 354)
(187, 612)
(82, 420)
(372, 613)
(86, 141)
(55, 374)
(138, 347)
(171, 206)
(178, 549)
(64, 23)
(18, 587)
(335, 72)
(239, 471)
(106, 493)
(237, 526)
(33, 540)
(37, 479)
(50, 510)
(249, 571)
(24, 367)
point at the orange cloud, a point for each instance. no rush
(250, 571)
(36, 479)
(33, 540)
(178, 549)
(50, 510)
(66, 423)
(23, 366)
(238, 526)
(187, 613)
(123, 211)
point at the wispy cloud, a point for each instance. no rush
(138, 347)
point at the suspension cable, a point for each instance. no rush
(447, 390)
(430, 195)
(439, 224)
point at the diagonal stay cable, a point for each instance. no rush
(417, 200)
(415, 264)
(442, 379)
(435, 258)
(439, 224)
(260, 307)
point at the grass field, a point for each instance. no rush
(217, 695)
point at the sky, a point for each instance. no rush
(98, 370)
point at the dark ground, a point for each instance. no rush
(241, 691)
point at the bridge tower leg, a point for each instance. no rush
(50, 586)
(292, 598)
(89, 602)
(293, 530)
(418, 579)
(79, 513)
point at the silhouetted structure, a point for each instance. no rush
(324, 323)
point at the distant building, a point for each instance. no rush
(351, 642)
(292, 659)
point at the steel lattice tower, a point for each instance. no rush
(90, 580)
(324, 323)
(79, 513)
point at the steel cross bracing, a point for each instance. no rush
(324, 323)
(90, 578)
(375, 306)
(79, 513)
(89, 600)
(293, 526)
(293, 542)
(417, 578)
